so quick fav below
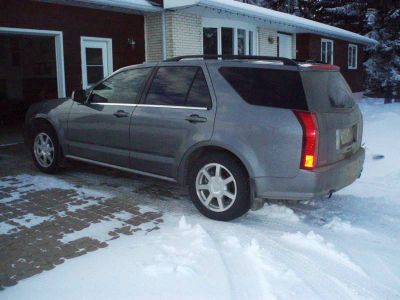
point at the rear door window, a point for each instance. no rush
(199, 95)
(267, 87)
(179, 86)
(171, 85)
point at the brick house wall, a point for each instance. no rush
(309, 47)
(75, 22)
(153, 40)
(184, 34)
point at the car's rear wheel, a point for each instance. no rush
(45, 148)
(219, 187)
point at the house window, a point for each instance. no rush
(352, 56)
(227, 40)
(241, 41)
(228, 37)
(210, 41)
(251, 43)
(327, 51)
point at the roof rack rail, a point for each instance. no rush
(286, 61)
(310, 61)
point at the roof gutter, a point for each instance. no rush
(273, 17)
(117, 5)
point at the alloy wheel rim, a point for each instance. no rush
(44, 150)
(216, 187)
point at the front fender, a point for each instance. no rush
(55, 112)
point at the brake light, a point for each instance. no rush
(308, 122)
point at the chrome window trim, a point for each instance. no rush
(150, 105)
(172, 106)
(113, 104)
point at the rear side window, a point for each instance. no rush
(267, 87)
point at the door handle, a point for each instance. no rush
(196, 119)
(121, 114)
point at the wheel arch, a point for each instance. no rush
(44, 119)
(197, 150)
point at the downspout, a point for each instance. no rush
(164, 38)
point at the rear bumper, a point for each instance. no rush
(312, 184)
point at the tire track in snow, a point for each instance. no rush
(237, 288)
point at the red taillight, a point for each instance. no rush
(309, 153)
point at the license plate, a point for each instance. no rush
(347, 136)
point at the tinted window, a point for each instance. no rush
(267, 87)
(327, 91)
(171, 85)
(123, 87)
(199, 95)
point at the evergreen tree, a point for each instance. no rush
(378, 19)
(383, 66)
(346, 14)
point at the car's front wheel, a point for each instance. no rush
(45, 149)
(219, 187)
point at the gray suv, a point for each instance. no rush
(236, 130)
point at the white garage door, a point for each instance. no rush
(285, 45)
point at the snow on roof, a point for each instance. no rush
(120, 5)
(273, 17)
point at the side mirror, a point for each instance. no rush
(79, 96)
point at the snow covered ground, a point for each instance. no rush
(346, 247)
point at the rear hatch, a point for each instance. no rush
(339, 118)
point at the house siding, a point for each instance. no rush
(264, 46)
(309, 47)
(75, 22)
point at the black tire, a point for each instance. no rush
(47, 129)
(241, 204)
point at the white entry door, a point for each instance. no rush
(96, 55)
(285, 45)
